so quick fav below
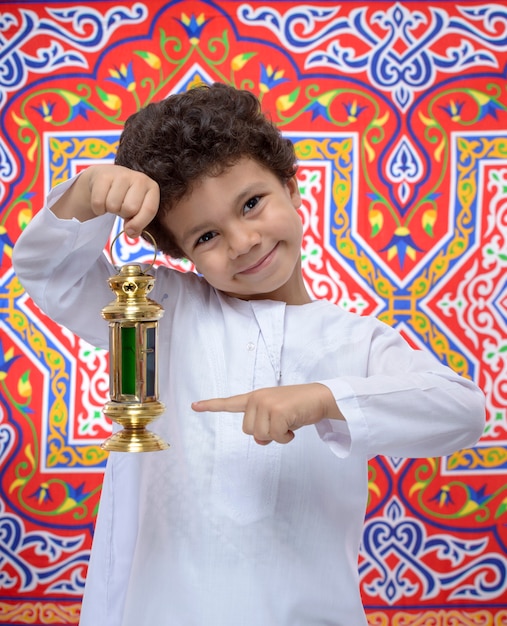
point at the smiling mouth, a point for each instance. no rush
(261, 264)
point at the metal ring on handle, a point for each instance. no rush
(144, 232)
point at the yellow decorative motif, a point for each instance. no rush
(313, 149)
(111, 100)
(150, 58)
(39, 613)
(370, 152)
(435, 339)
(195, 82)
(470, 154)
(58, 424)
(485, 458)
(429, 218)
(448, 618)
(240, 60)
(427, 121)
(377, 618)
(64, 151)
(341, 155)
(376, 219)
(286, 101)
(24, 216)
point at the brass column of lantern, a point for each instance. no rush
(133, 342)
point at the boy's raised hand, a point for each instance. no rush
(112, 189)
(274, 413)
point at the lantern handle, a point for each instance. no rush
(144, 232)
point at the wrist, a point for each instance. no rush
(330, 409)
(75, 201)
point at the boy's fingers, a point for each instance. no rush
(256, 423)
(139, 209)
(233, 404)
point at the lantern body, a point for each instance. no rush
(133, 364)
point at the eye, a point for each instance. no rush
(251, 204)
(205, 238)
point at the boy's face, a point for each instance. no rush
(243, 233)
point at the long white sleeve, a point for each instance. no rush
(407, 405)
(62, 266)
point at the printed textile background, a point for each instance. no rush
(398, 111)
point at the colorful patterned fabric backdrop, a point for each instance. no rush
(398, 111)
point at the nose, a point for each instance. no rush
(241, 239)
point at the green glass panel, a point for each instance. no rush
(128, 360)
(150, 362)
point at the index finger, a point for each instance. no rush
(233, 404)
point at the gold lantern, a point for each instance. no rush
(133, 342)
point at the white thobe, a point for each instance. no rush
(217, 530)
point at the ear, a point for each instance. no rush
(293, 189)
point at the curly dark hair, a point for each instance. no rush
(198, 133)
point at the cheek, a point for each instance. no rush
(288, 223)
(297, 228)
(207, 266)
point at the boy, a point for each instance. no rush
(219, 530)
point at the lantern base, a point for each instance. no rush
(134, 440)
(133, 418)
